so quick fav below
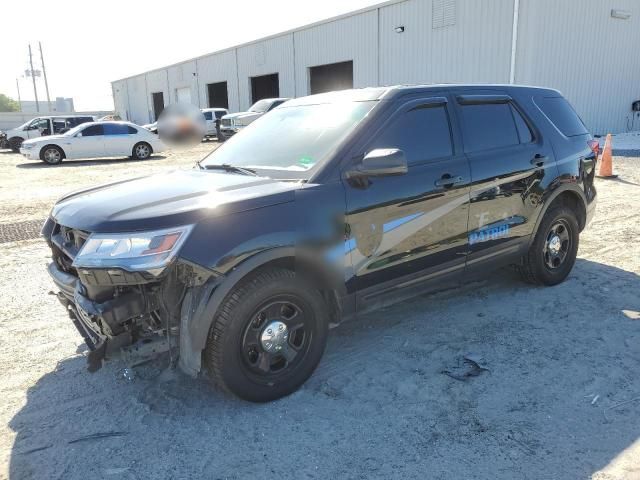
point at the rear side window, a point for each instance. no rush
(93, 131)
(489, 125)
(562, 115)
(220, 114)
(208, 116)
(423, 133)
(115, 129)
(131, 130)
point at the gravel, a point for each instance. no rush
(553, 393)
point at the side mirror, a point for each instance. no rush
(381, 162)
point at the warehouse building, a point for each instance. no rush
(585, 48)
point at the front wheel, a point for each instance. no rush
(141, 151)
(15, 144)
(553, 252)
(268, 336)
(52, 155)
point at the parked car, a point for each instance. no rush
(110, 118)
(212, 117)
(40, 126)
(152, 127)
(372, 196)
(234, 122)
(94, 140)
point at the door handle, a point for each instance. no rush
(539, 160)
(448, 181)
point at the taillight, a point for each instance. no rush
(594, 146)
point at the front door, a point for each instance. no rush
(88, 143)
(406, 230)
(510, 164)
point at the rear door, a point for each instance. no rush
(117, 140)
(510, 163)
(406, 230)
(87, 143)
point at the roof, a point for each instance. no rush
(379, 93)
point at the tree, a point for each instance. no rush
(8, 104)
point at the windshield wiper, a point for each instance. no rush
(229, 168)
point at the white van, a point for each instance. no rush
(40, 126)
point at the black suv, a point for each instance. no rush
(329, 206)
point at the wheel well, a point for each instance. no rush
(51, 145)
(319, 277)
(573, 201)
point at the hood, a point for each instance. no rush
(243, 116)
(45, 138)
(167, 200)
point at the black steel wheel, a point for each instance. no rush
(553, 251)
(268, 336)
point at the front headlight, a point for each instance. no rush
(27, 146)
(137, 251)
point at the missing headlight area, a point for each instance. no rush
(15, 232)
(134, 314)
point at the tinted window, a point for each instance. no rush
(422, 133)
(220, 114)
(275, 104)
(131, 130)
(92, 131)
(487, 126)
(59, 125)
(562, 115)
(208, 115)
(523, 129)
(115, 129)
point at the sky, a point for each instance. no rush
(88, 44)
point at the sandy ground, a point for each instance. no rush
(560, 398)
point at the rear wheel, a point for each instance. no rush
(51, 155)
(553, 252)
(267, 337)
(141, 151)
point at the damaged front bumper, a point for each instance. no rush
(118, 312)
(113, 327)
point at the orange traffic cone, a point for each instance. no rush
(606, 162)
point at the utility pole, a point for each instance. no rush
(33, 77)
(44, 73)
(19, 100)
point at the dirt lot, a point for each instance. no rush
(560, 399)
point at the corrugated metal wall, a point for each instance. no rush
(274, 55)
(472, 45)
(352, 38)
(592, 58)
(220, 67)
(572, 45)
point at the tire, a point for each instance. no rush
(141, 151)
(51, 155)
(242, 353)
(553, 252)
(15, 144)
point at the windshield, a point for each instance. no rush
(291, 139)
(260, 106)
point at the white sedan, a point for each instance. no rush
(94, 140)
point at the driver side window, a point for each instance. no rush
(92, 131)
(422, 132)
